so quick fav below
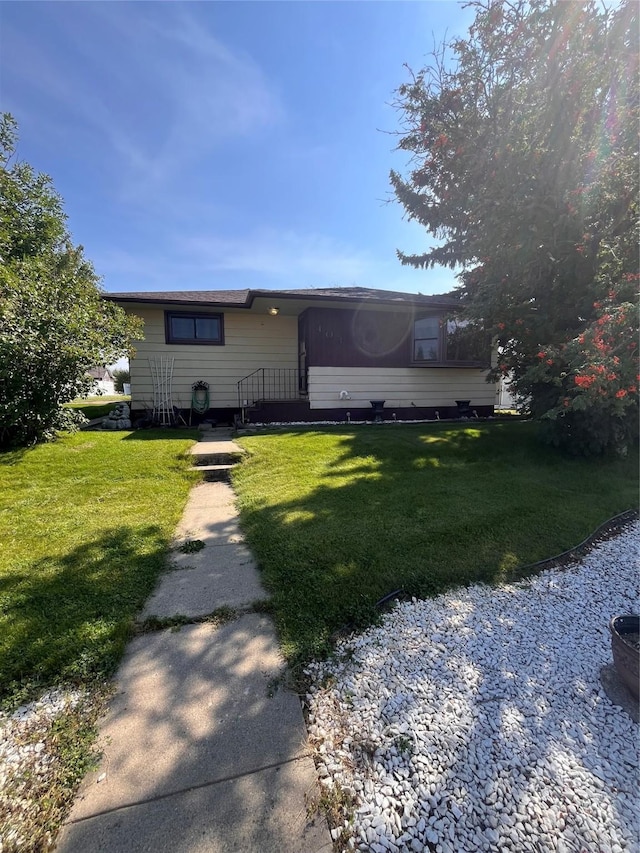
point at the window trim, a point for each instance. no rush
(442, 343)
(426, 362)
(192, 315)
(423, 362)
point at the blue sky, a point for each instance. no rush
(223, 145)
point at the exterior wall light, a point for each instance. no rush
(273, 310)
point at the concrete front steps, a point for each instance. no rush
(215, 454)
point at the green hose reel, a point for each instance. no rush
(200, 397)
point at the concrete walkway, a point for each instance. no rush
(203, 752)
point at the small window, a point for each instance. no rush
(426, 339)
(194, 328)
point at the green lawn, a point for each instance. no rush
(336, 517)
(85, 524)
(340, 517)
(97, 399)
(97, 407)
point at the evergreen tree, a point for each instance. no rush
(524, 166)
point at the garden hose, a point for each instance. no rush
(200, 406)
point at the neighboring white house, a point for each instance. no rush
(307, 355)
(102, 381)
(506, 398)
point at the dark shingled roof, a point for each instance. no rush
(361, 293)
(215, 297)
(244, 298)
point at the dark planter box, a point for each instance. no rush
(626, 655)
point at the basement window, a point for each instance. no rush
(193, 328)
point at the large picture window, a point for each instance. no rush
(192, 328)
(450, 342)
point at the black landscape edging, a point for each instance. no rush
(605, 531)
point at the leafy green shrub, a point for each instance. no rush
(54, 323)
(119, 378)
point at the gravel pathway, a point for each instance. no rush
(476, 721)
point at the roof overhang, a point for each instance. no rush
(291, 303)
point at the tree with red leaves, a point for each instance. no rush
(524, 167)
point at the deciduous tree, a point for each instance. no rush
(54, 324)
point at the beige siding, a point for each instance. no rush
(401, 387)
(251, 341)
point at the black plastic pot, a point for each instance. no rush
(626, 654)
(377, 406)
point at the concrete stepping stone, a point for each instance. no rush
(202, 751)
(208, 505)
(222, 574)
(215, 473)
(243, 815)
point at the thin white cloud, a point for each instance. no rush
(281, 258)
(288, 255)
(213, 93)
(161, 90)
(262, 258)
(219, 90)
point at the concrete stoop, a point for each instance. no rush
(215, 454)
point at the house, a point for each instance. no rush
(305, 355)
(102, 381)
(505, 397)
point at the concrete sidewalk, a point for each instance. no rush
(203, 751)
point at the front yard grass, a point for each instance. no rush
(85, 524)
(97, 399)
(97, 407)
(340, 517)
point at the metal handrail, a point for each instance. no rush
(269, 383)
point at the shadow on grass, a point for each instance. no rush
(166, 434)
(422, 508)
(67, 619)
(12, 457)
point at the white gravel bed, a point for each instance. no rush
(25, 763)
(387, 419)
(476, 721)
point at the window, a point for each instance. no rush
(194, 328)
(467, 343)
(426, 339)
(450, 342)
